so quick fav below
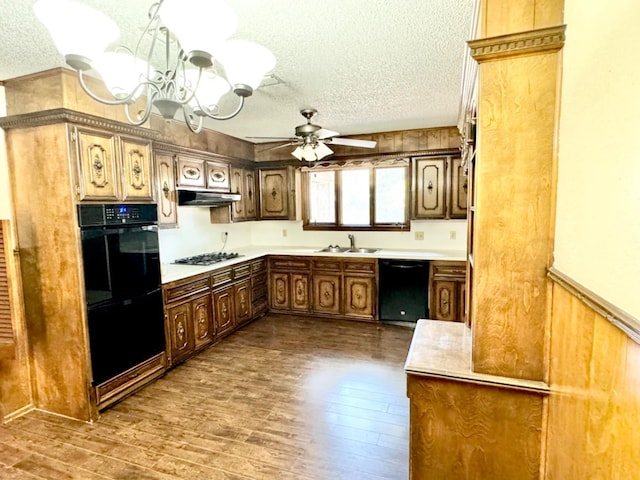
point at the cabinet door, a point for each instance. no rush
(326, 293)
(97, 165)
(180, 329)
(136, 170)
(191, 172)
(166, 188)
(237, 186)
(429, 187)
(242, 296)
(300, 292)
(218, 176)
(279, 291)
(250, 199)
(359, 295)
(444, 302)
(202, 321)
(458, 198)
(223, 307)
(462, 302)
(274, 194)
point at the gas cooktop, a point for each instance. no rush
(207, 258)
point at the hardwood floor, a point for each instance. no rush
(284, 398)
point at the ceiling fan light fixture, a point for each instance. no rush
(311, 152)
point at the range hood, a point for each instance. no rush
(201, 198)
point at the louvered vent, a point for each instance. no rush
(6, 329)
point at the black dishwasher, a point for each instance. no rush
(403, 288)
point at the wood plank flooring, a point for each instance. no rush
(286, 398)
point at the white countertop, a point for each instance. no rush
(172, 272)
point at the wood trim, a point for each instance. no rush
(171, 149)
(7, 338)
(515, 44)
(619, 318)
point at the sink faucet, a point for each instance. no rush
(352, 239)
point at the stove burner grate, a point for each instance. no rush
(207, 258)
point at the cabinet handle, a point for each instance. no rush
(430, 186)
(274, 193)
(165, 190)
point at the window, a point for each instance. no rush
(366, 198)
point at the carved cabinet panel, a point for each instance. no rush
(202, 321)
(458, 191)
(274, 194)
(242, 294)
(279, 298)
(445, 301)
(180, 332)
(359, 296)
(191, 172)
(223, 307)
(250, 199)
(217, 176)
(326, 293)
(300, 292)
(447, 290)
(166, 188)
(97, 165)
(136, 170)
(237, 186)
(429, 187)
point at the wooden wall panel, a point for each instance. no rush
(500, 17)
(594, 410)
(514, 216)
(466, 431)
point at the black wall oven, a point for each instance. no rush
(122, 286)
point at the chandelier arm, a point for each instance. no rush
(227, 117)
(187, 119)
(95, 97)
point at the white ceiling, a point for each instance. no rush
(366, 65)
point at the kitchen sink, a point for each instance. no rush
(333, 249)
(361, 250)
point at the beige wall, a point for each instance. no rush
(598, 209)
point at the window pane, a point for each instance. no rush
(390, 195)
(355, 197)
(322, 197)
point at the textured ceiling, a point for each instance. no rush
(366, 65)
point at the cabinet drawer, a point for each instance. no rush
(185, 288)
(241, 271)
(360, 266)
(327, 264)
(221, 277)
(448, 269)
(117, 387)
(289, 263)
(259, 266)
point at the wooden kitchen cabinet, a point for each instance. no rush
(439, 188)
(112, 167)
(277, 194)
(300, 292)
(166, 188)
(259, 289)
(326, 293)
(242, 298)
(224, 310)
(243, 182)
(289, 283)
(190, 172)
(203, 327)
(447, 291)
(359, 296)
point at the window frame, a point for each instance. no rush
(338, 225)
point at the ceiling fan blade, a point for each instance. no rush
(323, 133)
(352, 142)
(282, 146)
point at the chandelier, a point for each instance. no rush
(176, 64)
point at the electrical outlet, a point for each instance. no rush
(284, 232)
(419, 235)
(224, 236)
(452, 235)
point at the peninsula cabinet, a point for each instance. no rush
(112, 167)
(439, 188)
(447, 290)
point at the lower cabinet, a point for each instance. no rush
(447, 291)
(324, 286)
(202, 309)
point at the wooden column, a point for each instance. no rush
(518, 89)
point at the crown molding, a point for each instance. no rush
(517, 44)
(61, 115)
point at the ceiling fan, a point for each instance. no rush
(312, 140)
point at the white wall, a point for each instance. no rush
(597, 239)
(197, 235)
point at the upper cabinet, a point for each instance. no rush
(200, 173)
(243, 182)
(277, 194)
(112, 167)
(166, 188)
(439, 188)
